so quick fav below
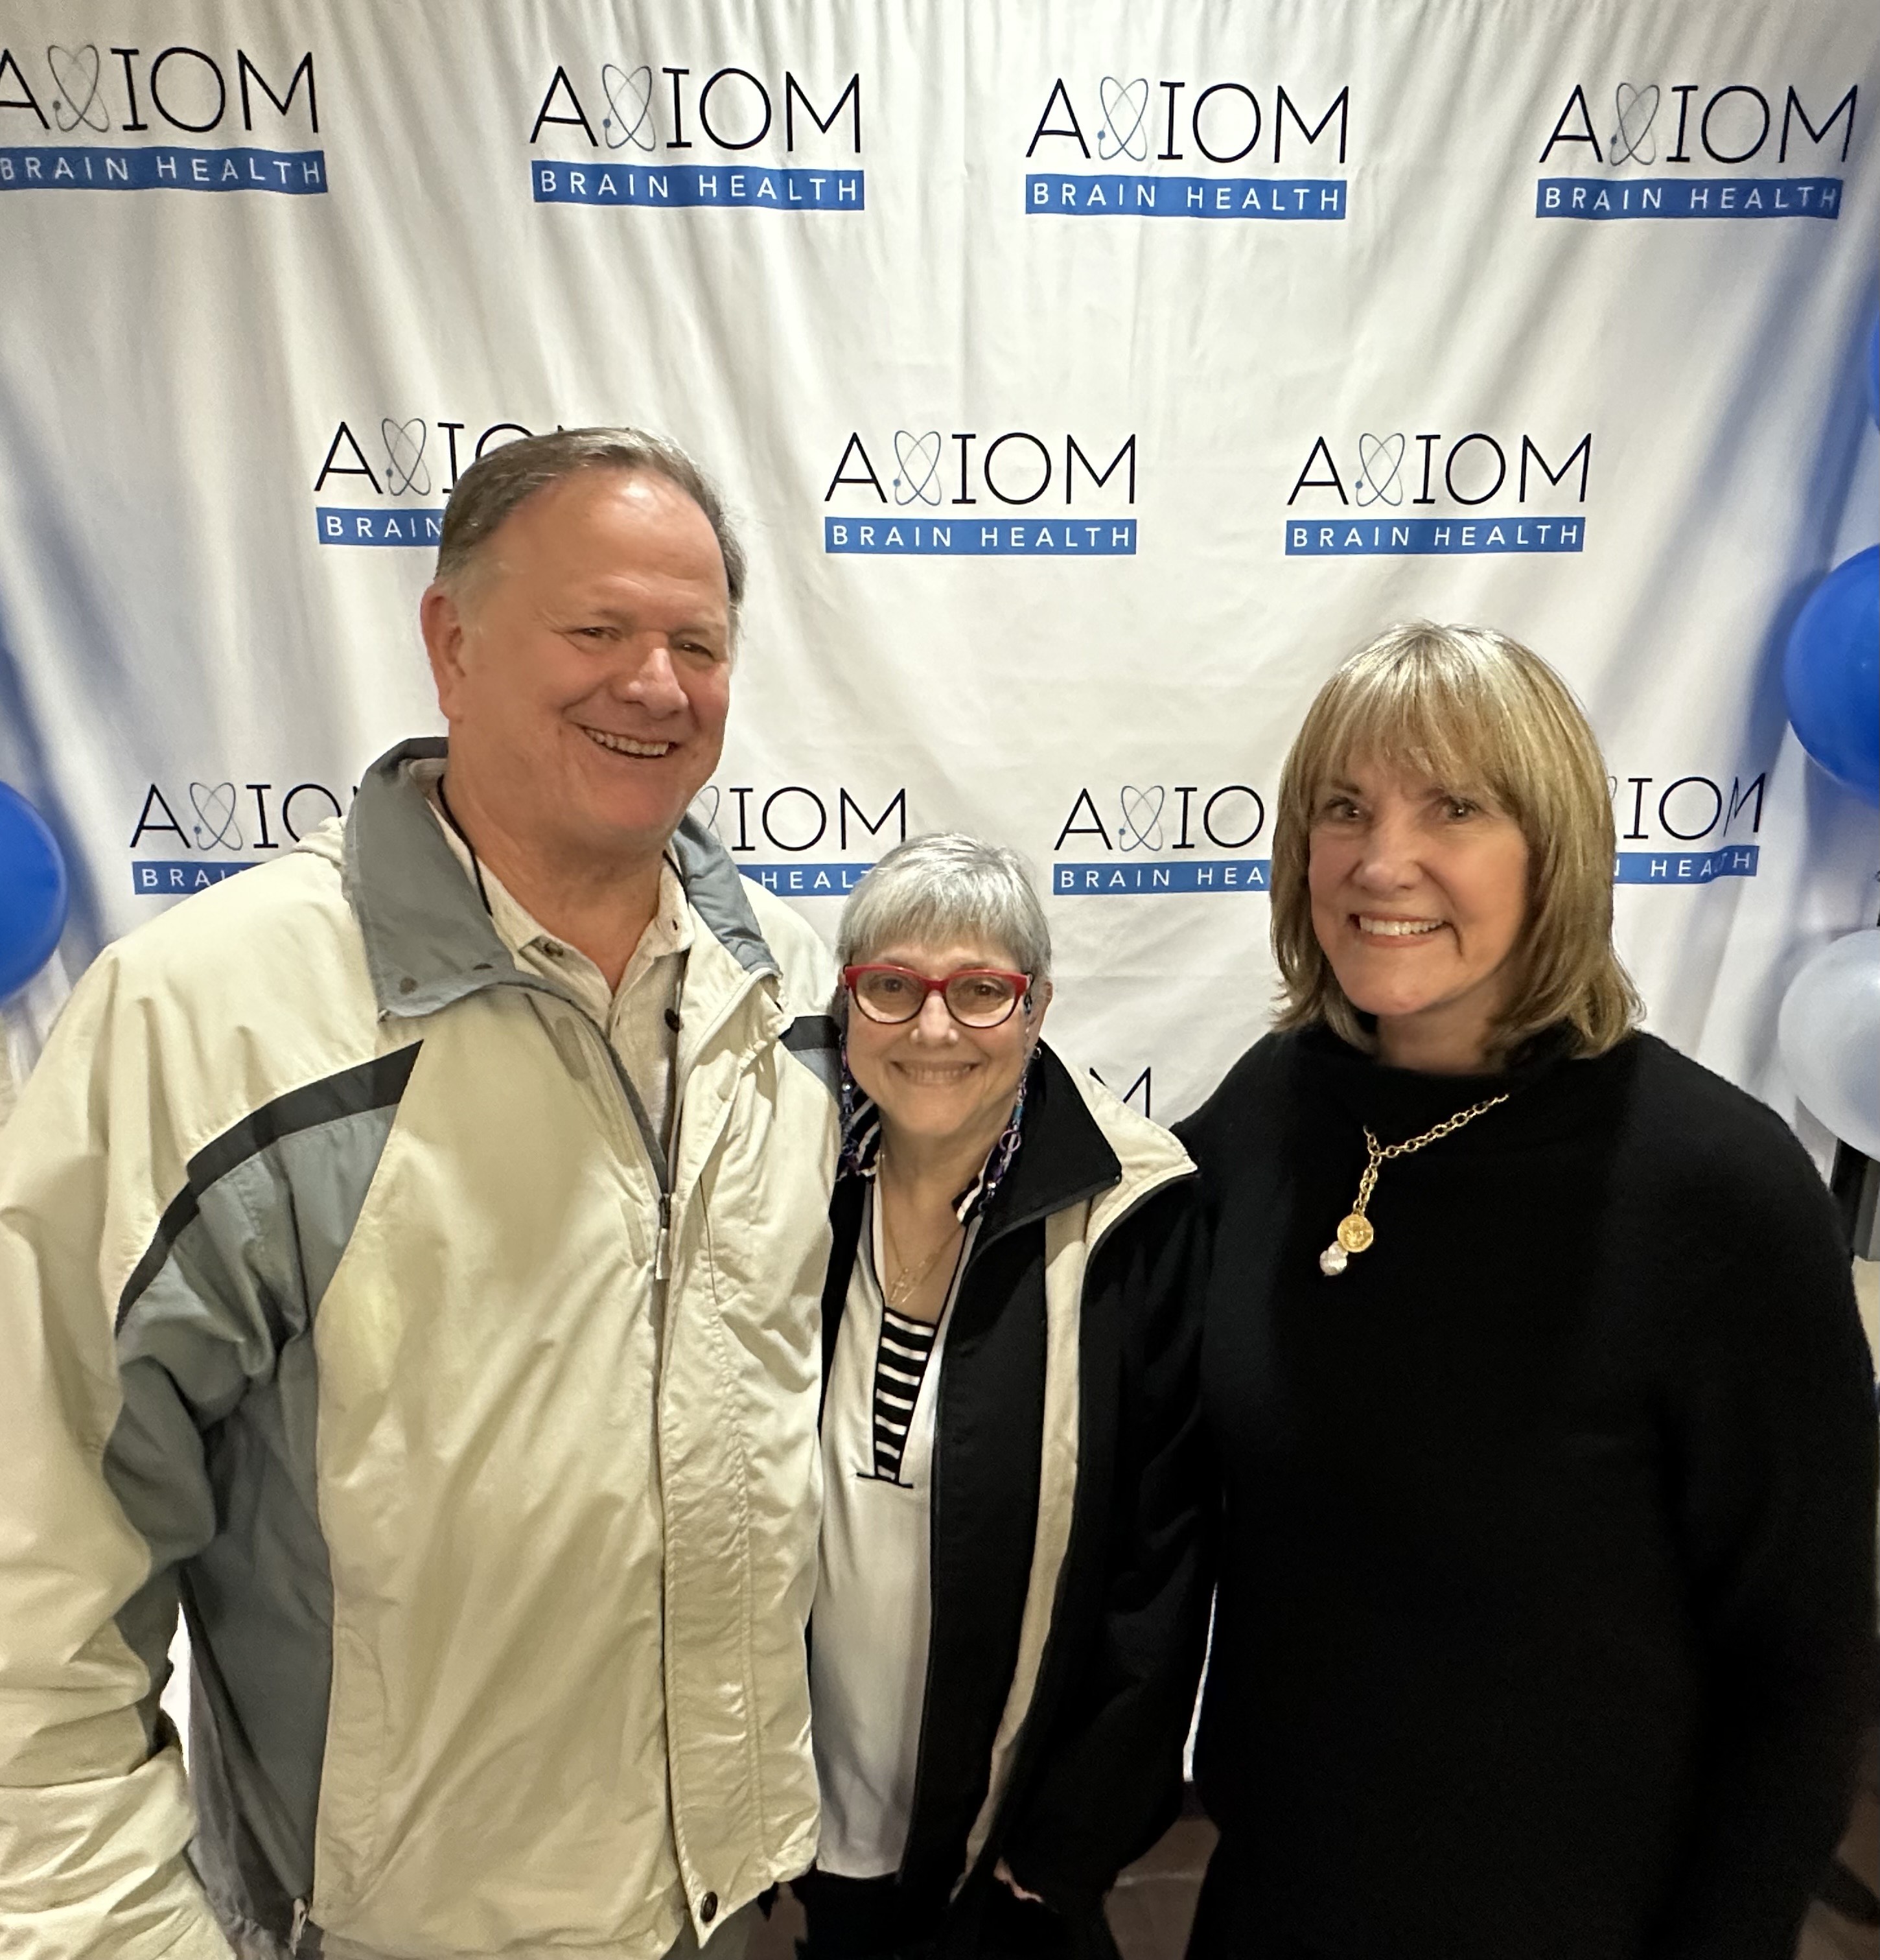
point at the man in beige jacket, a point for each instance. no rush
(409, 1260)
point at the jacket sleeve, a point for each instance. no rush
(1107, 1782)
(1773, 1448)
(94, 1815)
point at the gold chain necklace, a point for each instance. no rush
(1356, 1232)
(901, 1289)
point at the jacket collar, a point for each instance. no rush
(1066, 1155)
(428, 941)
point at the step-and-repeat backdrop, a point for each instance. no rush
(1089, 379)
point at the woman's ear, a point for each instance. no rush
(1037, 999)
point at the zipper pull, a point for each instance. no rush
(662, 1250)
(298, 1926)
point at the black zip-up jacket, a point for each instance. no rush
(1119, 1600)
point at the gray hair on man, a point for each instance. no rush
(935, 890)
(509, 474)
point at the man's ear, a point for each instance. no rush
(440, 619)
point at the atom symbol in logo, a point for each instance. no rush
(1382, 457)
(404, 465)
(1141, 826)
(631, 119)
(1124, 103)
(78, 64)
(704, 806)
(1635, 109)
(215, 810)
(920, 453)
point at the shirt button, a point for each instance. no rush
(709, 1907)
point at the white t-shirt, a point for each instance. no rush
(869, 1630)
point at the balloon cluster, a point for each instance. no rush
(1831, 673)
(1829, 1028)
(33, 891)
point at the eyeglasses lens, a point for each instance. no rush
(980, 1000)
(888, 996)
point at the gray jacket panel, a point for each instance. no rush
(212, 1459)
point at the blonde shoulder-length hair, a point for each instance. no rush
(1475, 711)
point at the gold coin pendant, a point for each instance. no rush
(1354, 1231)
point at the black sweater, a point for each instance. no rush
(1546, 1599)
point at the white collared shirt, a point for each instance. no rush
(632, 1015)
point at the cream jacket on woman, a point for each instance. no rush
(329, 1309)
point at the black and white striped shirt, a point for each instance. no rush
(900, 1358)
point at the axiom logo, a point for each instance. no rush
(1686, 829)
(221, 827)
(1161, 837)
(1686, 137)
(1362, 497)
(630, 129)
(927, 491)
(407, 466)
(91, 97)
(1139, 1092)
(754, 821)
(1139, 125)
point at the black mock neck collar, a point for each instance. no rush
(1541, 1080)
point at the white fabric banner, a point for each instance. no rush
(1089, 379)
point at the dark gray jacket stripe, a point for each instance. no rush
(373, 1085)
(810, 1032)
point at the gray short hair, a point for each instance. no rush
(509, 474)
(948, 886)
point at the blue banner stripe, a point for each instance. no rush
(1119, 881)
(1688, 197)
(1423, 537)
(978, 537)
(159, 167)
(686, 185)
(175, 878)
(1111, 194)
(1686, 867)
(807, 881)
(342, 526)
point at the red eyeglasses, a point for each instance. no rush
(976, 997)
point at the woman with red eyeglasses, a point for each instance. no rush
(1012, 1597)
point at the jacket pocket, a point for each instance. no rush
(345, 1845)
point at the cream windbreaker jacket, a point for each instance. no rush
(328, 1310)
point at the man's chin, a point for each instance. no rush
(618, 829)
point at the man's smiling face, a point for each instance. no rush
(584, 665)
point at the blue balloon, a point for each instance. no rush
(33, 891)
(1831, 674)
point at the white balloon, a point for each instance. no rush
(1829, 1033)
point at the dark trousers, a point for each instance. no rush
(876, 1918)
(1228, 1922)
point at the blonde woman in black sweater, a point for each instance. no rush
(1540, 1403)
